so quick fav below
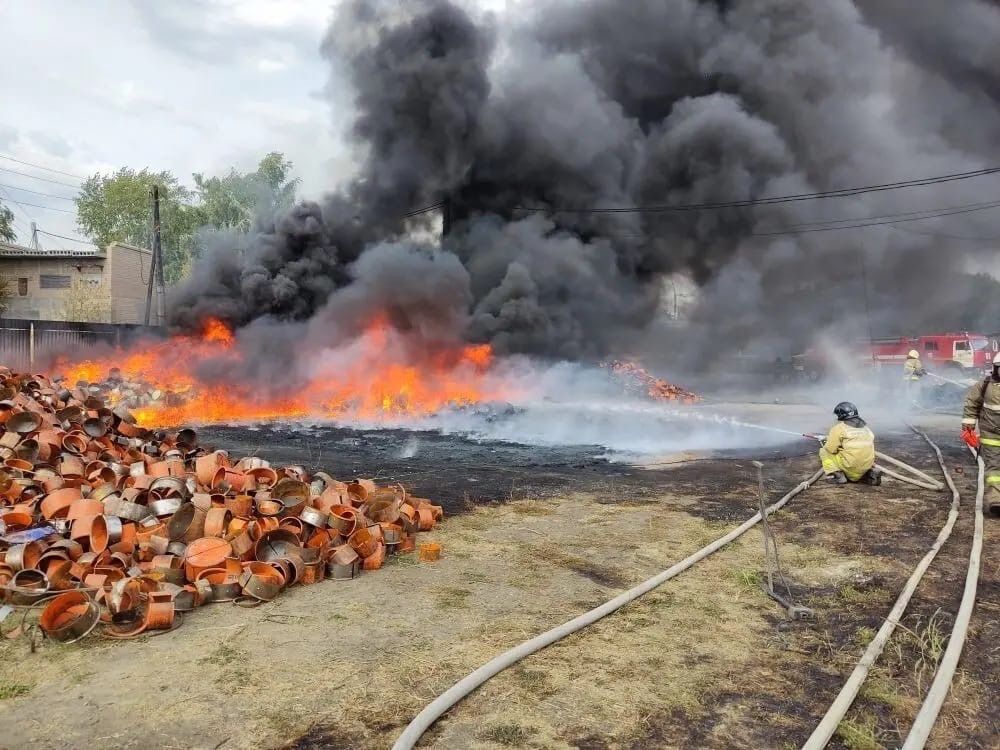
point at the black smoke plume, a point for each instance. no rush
(526, 124)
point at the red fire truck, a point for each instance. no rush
(964, 353)
(968, 353)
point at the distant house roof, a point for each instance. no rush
(10, 250)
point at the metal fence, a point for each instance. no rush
(28, 344)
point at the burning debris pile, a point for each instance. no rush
(106, 524)
(204, 378)
(637, 381)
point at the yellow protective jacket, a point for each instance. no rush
(854, 448)
(982, 404)
(913, 370)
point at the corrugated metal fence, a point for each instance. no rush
(27, 344)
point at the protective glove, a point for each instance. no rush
(969, 436)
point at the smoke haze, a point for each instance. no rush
(583, 104)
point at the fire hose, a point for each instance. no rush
(437, 708)
(444, 702)
(919, 478)
(931, 707)
(838, 709)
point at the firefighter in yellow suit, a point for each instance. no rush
(982, 405)
(913, 371)
(848, 455)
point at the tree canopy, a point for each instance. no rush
(7, 233)
(117, 207)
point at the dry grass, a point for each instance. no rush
(603, 574)
(653, 674)
(452, 597)
(509, 733)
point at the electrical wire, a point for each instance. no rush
(36, 192)
(424, 210)
(39, 166)
(46, 208)
(807, 229)
(64, 237)
(841, 193)
(17, 203)
(946, 236)
(897, 215)
(36, 177)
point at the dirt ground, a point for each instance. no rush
(705, 661)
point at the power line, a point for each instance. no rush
(841, 193)
(39, 205)
(946, 236)
(424, 210)
(36, 177)
(903, 214)
(18, 204)
(36, 192)
(64, 237)
(806, 230)
(865, 221)
(39, 166)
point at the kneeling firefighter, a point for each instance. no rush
(848, 455)
(982, 405)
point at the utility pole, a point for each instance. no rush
(161, 287)
(34, 236)
(446, 217)
(154, 264)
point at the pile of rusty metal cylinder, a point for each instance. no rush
(104, 524)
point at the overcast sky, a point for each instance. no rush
(183, 85)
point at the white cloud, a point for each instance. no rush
(184, 86)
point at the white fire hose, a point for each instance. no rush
(422, 722)
(838, 709)
(931, 707)
(444, 702)
(925, 481)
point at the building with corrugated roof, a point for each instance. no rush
(56, 284)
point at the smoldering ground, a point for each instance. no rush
(528, 122)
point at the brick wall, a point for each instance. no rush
(128, 275)
(25, 275)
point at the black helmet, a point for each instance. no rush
(845, 410)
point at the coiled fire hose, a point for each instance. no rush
(838, 709)
(444, 702)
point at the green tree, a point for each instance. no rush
(232, 201)
(7, 233)
(117, 208)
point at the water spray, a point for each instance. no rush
(948, 380)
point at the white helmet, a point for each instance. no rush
(914, 354)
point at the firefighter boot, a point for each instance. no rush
(993, 502)
(838, 477)
(873, 477)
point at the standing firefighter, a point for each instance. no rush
(848, 455)
(982, 405)
(913, 370)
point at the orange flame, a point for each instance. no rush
(377, 375)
